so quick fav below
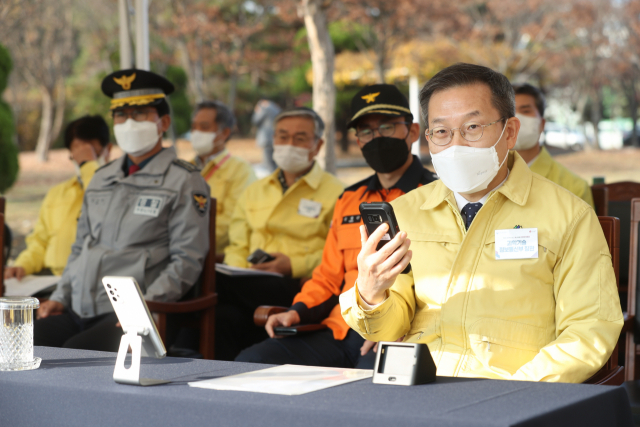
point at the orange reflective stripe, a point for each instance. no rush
(216, 167)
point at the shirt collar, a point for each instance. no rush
(516, 187)
(462, 202)
(409, 180)
(542, 163)
(312, 178)
(214, 158)
(127, 164)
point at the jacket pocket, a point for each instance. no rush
(504, 345)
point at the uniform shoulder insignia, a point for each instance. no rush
(186, 165)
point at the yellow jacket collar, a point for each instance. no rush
(516, 188)
(542, 164)
(312, 178)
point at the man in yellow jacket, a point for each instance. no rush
(511, 274)
(530, 105)
(287, 215)
(227, 175)
(49, 245)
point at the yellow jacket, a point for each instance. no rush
(266, 219)
(49, 245)
(227, 177)
(554, 318)
(546, 166)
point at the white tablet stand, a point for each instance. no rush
(131, 375)
(140, 330)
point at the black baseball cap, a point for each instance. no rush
(132, 88)
(379, 99)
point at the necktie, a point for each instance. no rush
(469, 212)
(133, 169)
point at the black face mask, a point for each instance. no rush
(385, 154)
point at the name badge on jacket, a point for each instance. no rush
(519, 243)
(148, 205)
(309, 208)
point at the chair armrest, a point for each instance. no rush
(263, 312)
(196, 304)
(628, 323)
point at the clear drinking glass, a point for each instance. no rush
(16, 334)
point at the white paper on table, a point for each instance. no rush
(239, 271)
(29, 285)
(289, 380)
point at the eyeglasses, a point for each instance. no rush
(470, 131)
(385, 129)
(299, 139)
(121, 116)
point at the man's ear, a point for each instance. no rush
(511, 132)
(165, 122)
(226, 133)
(414, 132)
(316, 150)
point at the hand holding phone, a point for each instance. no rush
(375, 214)
(259, 257)
(379, 268)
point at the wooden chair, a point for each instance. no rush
(618, 197)
(611, 373)
(263, 312)
(601, 200)
(631, 321)
(204, 303)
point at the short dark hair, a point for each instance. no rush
(224, 116)
(538, 96)
(87, 128)
(462, 74)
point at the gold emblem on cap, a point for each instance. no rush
(125, 81)
(371, 97)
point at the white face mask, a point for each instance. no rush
(529, 134)
(467, 170)
(291, 159)
(202, 142)
(136, 138)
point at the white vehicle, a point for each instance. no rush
(562, 136)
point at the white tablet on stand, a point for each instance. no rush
(140, 332)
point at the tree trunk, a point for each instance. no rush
(58, 119)
(46, 123)
(380, 61)
(235, 74)
(324, 89)
(596, 115)
(632, 97)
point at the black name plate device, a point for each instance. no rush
(402, 363)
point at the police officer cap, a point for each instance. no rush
(132, 88)
(379, 99)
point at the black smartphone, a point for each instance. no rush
(374, 214)
(259, 256)
(287, 331)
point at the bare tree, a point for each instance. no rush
(322, 63)
(43, 43)
(385, 25)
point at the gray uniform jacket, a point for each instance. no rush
(152, 225)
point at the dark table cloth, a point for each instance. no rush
(76, 388)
